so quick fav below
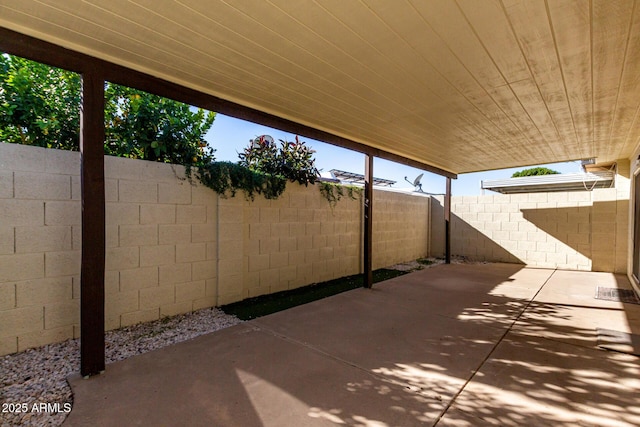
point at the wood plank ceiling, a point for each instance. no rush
(463, 85)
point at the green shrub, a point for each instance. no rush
(226, 178)
(334, 192)
(293, 160)
(534, 172)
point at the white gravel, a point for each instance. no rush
(39, 376)
(415, 265)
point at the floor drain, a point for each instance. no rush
(617, 294)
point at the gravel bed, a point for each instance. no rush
(39, 376)
(416, 265)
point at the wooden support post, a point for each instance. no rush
(447, 222)
(92, 347)
(368, 221)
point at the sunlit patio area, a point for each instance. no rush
(453, 345)
(91, 243)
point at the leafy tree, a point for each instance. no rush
(150, 127)
(293, 160)
(39, 105)
(534, 172)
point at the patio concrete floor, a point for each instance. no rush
(453, 345)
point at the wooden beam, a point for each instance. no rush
(92, 347)
(57, 56)
(447, 222)
(368, 221)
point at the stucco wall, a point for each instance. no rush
(171, 247)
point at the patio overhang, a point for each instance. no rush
(48, 53)
(458, 86)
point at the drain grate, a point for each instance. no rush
(616, 294)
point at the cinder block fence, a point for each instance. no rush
(577, 230)
(171, 246)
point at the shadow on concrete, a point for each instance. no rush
(549, 371)
(484, 344)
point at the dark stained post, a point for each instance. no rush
(92, 357)
(447, 222)
(368, 221)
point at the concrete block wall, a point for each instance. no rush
(161, 251)
(400, 234)
(299, 239)
(287, 243)
(537, 229)
(580, 230)
(39, 247)
(171, 246)
(161, 257)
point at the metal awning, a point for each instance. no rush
(545, 183)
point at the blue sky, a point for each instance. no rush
(229, 136)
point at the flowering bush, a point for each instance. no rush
(261, 155)
(293, 160)
(296, 162)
